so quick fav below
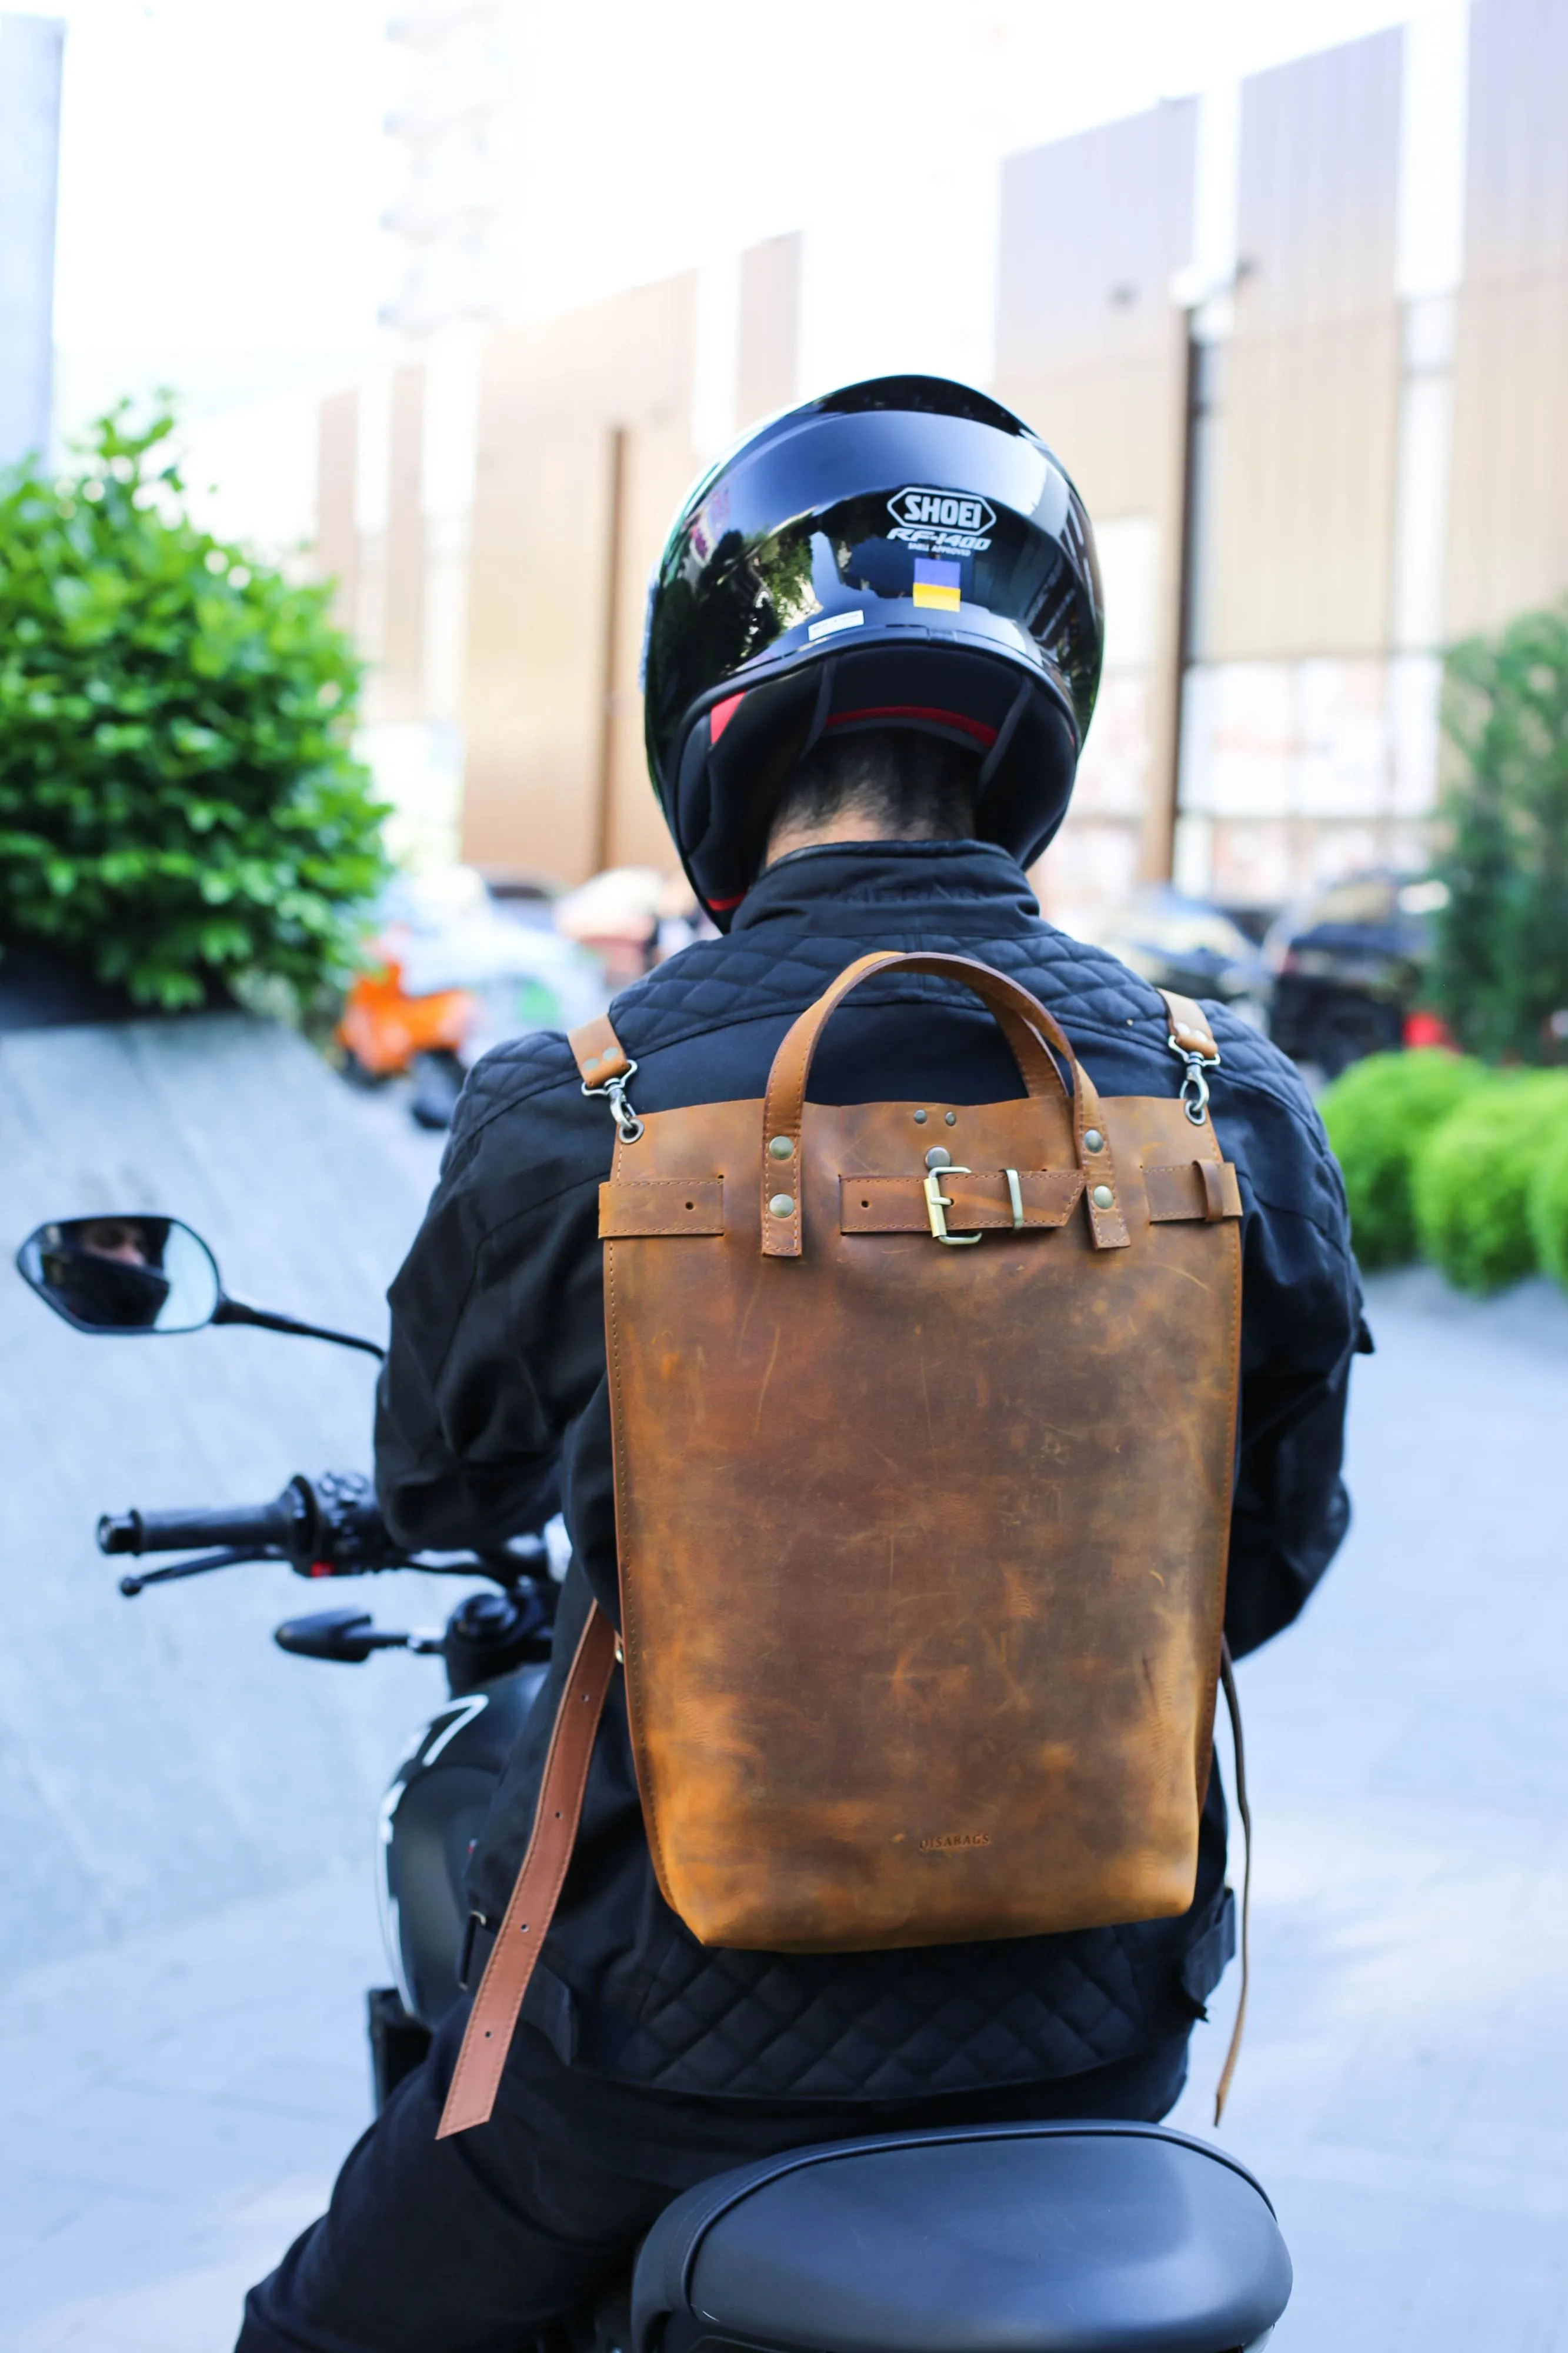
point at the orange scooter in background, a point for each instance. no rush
(383, 1028)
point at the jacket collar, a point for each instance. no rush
(963, 882)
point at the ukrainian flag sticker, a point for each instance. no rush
(936, 583)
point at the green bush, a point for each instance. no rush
(178, 802)
(1473, 1179)
(1378, 1115)
(1501, 970)
(1549, 1206)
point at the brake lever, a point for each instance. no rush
(132, 1586)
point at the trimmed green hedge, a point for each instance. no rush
(179, 804)
(1379, 1116)
(1473, 1177)
(1549, 1206)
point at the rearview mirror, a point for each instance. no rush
(123, 1273)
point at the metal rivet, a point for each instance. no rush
(780, 1147)
(939, 1156)
(951, 1117)
(1103, 1197)
(592, 1063)
(920, 1119)
(1092, 1140)
(782, 1205)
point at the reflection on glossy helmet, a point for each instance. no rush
(904, 552)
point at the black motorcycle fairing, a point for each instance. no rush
(433, 1811)
(1069, 2238)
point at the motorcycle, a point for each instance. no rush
(1082, 2237)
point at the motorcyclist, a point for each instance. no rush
(873, 650)
(108, 1272)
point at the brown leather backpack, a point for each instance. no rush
(923, 1418)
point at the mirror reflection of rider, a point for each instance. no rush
(108, 1272)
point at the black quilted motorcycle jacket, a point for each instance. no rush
(495, 1387)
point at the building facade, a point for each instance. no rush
(1302, 342)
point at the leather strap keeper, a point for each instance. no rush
(980, 1200)
(633, 1206)
(1193, 1189)
(1189, 1025)
(597, 1052)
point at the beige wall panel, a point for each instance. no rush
(1116, 425)
(1508, 522)
(398, 680)
(1508, 546)
(1092, 229)
(769, 366)
(1297, 532)
(1302, 520)
(656, 476)
(337, 542)
(1516, 190)
(551, 397)
(1092, 351)
(538, 582)
(1317, 205)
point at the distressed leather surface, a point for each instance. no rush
(923, 1549)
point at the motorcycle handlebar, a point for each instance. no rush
(275, 1526)
(328, 1526)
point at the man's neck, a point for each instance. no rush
(849, 826)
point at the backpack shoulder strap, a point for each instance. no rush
(492, 2022)
(1233, 1703)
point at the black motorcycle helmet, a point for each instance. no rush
(905, 552)
(99, 1293)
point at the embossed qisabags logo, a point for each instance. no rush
(949, 1841)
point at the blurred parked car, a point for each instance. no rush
(1185, 944)
(1348, 965)
(455, 973)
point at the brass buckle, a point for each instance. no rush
(937, 1202)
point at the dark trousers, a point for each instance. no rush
(477, 2243)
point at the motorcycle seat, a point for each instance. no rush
(1069, 2238)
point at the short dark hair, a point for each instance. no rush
(904, 783)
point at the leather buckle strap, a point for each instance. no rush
(492, 2022)
(974, 1200)
(631, 1206)
(1193, 1189)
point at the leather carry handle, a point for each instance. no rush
(1025, 1023)
(492, 2022)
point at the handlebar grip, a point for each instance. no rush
(280, 1523)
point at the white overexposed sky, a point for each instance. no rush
(224, 166)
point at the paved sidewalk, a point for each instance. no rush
(1404, 2093)
(172, 2110)
(172, 2114)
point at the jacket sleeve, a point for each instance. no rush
(1302, 1324)
(497, 1325)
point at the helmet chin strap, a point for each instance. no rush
(824, 705)
(1005, 734)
